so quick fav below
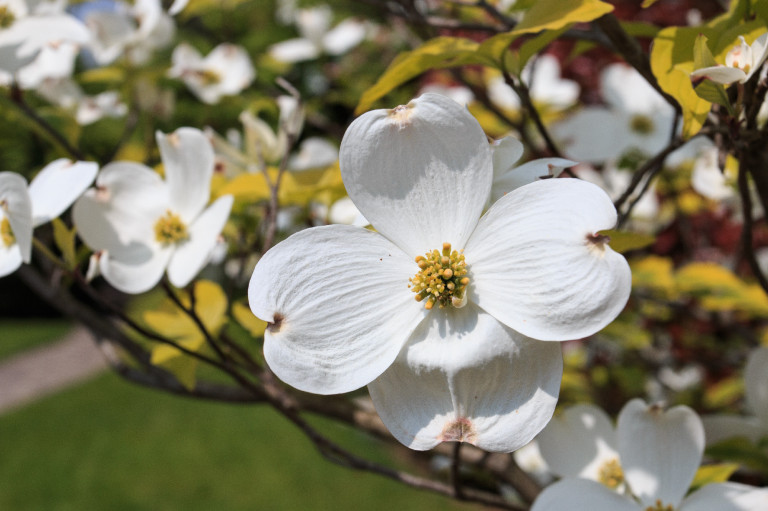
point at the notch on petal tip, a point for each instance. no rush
(460, 430)
(276, 324)
(401, 115)
(173, 139)
(597, 241)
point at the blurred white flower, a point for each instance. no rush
(317, 36)
(740, 63)
(226, 71)
(459, 93)
(23, 208)
(313, 153)
(659, 452)
(615, 182)
(635, 117)
(546, 86)
(142, 224)
(32, 30)
(344, 211)
(87, 109)
(457, 363)
(754, 426)
(581, 442)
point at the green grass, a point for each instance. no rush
(110, 445)
(17, 335)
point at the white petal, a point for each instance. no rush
(17, 206)
(581, 495)
(721, 74)
(547, 85)
(460, 379)
(578, 442)
(421, 173)
(10, 259)
(233, 66)
(502, 94)
(626, 90)
(190, 257)
(506, 152)
(727, 497)
(721, 427)
(463, 376)
(188, 160)
(314, 153)
(119, 215)
(543, 168)
(660, 450)
(177, 6)
(294, 50)
(138, 270)
(592, 134)
(57, 186)
(340, 306)
(756, 383)
(343, 37)
(184, 58)
(533, 266)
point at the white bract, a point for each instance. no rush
(317, 36)
(86, 109)
(226, 71)
(741, 62)
(754, 426)
(23, 208)
(636, 118)
(546, 86)
(460, 361)
(659, 452)
(142, 224)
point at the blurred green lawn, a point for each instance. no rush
(111, 445)
(17, 335)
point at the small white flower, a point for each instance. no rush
(636, 118)
(659, 452)
(740, 63)
(22, 209)
(317, 37)
(546, 86)
(754, 426)
(86, 109)
(581, 442)
(457, 363)
(313, 153)
(226, 71)
(143, 224)
(615, 182)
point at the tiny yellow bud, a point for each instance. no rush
(447, 273)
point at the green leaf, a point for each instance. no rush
(702, 55)
(65, 242)
(709, 474)
(437, 53)
(714, 93)
(640, 28)
(740, 450)
(624, 241)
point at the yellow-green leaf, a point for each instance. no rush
(702, 55)
(724, 392)
(648, 3)
(243, 315)
(624, 241)
(555, 14)
(65, 242)
(709, 474)
(437, 53)
(183, 367)
(672, 63)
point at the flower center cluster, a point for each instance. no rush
(6, 233)
(170, 228)
(208, 77)
(660, 507)
(6, 17)
(441, 278)
(610, 474)
(641, 124)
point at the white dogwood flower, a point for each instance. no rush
(23, 208)
(636, 118)
(753, 426)
(459, 362)
(581, 442)
(547, 87)
(143, 224)
(740, 63)
(317, 36)
(226, 71)
(659, 453)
